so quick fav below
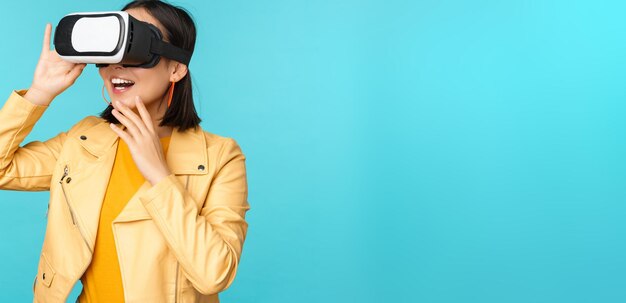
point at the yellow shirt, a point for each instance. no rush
(102, 281)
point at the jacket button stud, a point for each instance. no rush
(201, 167)
(68, 180)
(43, 276)
(83, 137)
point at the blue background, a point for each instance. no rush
(397, 151)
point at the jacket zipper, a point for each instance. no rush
(65, 173)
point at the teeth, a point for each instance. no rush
(121, 81)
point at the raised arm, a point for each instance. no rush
(29, 167)
(207, 242)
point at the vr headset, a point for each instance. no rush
(113, 37)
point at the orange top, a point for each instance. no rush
(102, 281)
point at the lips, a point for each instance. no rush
(121, 85)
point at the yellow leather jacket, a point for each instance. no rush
(177, 241)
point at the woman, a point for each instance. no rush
(145, 206)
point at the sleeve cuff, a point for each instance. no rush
(157, 190)
(18, 103)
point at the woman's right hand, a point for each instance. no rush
(53, 75)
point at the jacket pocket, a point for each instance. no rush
(46, 272)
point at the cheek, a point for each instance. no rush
(152, 85)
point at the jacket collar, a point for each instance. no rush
(187, 151)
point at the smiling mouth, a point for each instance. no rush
(121, 85)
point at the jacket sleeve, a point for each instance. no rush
(207, 242)
(27, 168)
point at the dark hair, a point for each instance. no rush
(180, 31)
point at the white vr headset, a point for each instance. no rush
(114, 37)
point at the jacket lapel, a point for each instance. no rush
(90, 176)
(187, 151)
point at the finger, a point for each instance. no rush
(144, 114)
(76, 71)
(46, 39)
(130, 126)
(122, 134)
(138, 123)
(126, 122)
(54, 56)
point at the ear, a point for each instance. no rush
(177, 71)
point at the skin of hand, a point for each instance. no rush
(52, 75)
(142, 140)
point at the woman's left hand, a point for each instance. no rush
(142, 140)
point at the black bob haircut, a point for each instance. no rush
(180, 30)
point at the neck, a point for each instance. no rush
(164, 131)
